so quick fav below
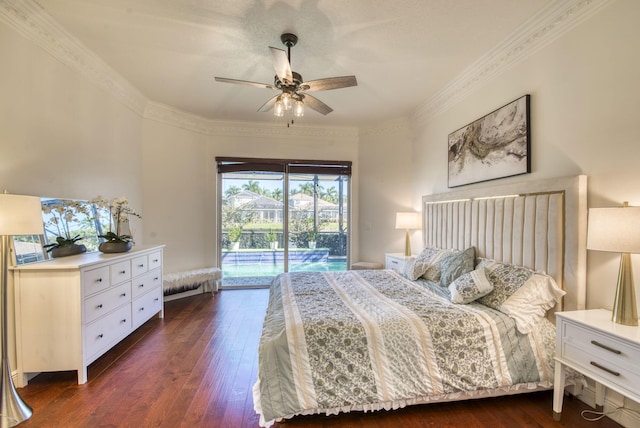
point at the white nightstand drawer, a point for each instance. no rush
(139, 265)
(601, 368)
(155, 260)
(602, 346)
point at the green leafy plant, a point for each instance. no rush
(235, 232)
(119, 212)
(271, 236)
(62, 214)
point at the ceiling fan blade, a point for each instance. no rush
(316, 104)
(246, 82)
(269, 104)
(329, 83)
(281, 65)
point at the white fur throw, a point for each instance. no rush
(177, 282)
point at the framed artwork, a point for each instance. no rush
(494, 146)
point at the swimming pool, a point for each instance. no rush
(272, 269)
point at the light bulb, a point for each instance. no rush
(298, 110)
(286, 100)
(278, 109)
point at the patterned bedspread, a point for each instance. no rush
(367, 340)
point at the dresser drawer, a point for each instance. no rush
(104, 331)
(120, 272)
(103, 303)
(146, 282)
(146, 306)
(139, 265)
(155, 260)
(95, 280)
(602, 346)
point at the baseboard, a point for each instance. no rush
(624, 417)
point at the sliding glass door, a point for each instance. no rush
(280, 215)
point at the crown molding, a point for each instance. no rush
(31, 21)
(180, 119)
(540, 30)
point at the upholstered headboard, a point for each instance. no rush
(538, 224)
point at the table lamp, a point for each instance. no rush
(408, 221)
(19, 215)
(618, 230)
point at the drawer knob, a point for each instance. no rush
(156, 278)
(99, 280)
(141, 285)
(593, 363)
(140, 266)
(124, 320)
(122, 272)
(123, 295)
(156, 299)
(99, 306)
(608, 348)
(100, 336)
(141, 309)
(155, 260)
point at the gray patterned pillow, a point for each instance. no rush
(426, 265)
(456, 265)
(470, 286)
(506, 280)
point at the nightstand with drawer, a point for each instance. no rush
(396, 261)
(593, 345)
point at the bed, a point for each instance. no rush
(455, 325)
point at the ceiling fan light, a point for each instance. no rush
(286, 100)
(278, 109)
(298, 110)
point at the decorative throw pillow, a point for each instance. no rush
(506, 280)
(426, 265)
(470, 286)
(531, 302)
(457, 264)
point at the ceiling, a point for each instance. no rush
(402, 52)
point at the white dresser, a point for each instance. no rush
(609, 353)
(71, 310)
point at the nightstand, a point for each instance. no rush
(609, 353)
(396, 261)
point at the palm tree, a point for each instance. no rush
(305, 188)
(253, 186)
(331, 195)
(277, 194)
(232, 191)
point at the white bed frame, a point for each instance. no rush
(539, 224)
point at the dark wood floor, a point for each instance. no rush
(196, 368)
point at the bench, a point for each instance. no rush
(190, 282)
(366, 265)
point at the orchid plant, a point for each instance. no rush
(61, 214)
(119, 211)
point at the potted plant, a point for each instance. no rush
(118, 239)
(61, 215)
(235, 232)
(311, 237)
(272, 239)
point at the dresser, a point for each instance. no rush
(71, 310)
(591, 344)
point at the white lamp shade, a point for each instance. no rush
(614, 229)
(20, 215)
(408, 220)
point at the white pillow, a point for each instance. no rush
(531, 302)
(470, 286)
(426, 265)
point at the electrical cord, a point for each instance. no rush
(599, 415)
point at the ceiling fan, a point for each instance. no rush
(294, 91)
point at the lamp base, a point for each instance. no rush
(625, 310)
(407, 245)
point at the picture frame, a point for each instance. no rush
(495, 146)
